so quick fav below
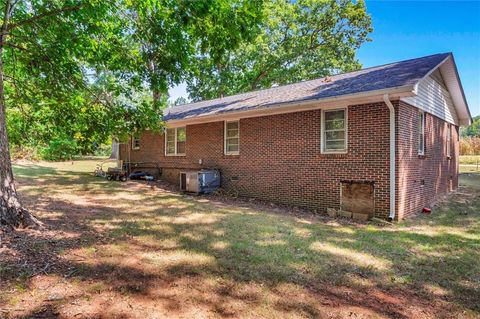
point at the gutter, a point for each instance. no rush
(387, 101)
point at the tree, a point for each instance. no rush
(297, 40)
(63, 61)
(473, 130)
(170, 35)
(45, 47)
(180, 101)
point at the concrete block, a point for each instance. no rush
(344, 213)
(332, 212)
(361, 217)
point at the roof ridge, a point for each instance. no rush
(311, 80)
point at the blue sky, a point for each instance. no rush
(409, 29)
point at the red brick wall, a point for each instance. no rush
(280, 158)
(439, 173)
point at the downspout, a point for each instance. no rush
(387, 101)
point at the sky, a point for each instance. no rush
(410, 29)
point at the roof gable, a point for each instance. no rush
(451, 78)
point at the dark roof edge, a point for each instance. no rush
(363, 94)
(305, 81)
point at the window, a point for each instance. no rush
(449, 139)
(421, 133)
(175, 140)
(232, 138)
(135, 142)
(334, 131)
(170, 138)
(181, 139)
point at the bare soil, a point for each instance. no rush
(138, 250)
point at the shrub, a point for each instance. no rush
(103, 150)
(63, 148)
(23, 152)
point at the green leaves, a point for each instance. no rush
(473, 130)
(50, 54)
(295, 41)
(84, 70)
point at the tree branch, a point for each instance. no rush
(42, 15)
(12, 45)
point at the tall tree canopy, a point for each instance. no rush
(74, 71)
(168, 35)
(473, 130)
(297, 40)
(44, 48)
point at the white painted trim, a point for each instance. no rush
(322, 132)
(133, 138)
(300, 106)
(432, 97)
(225, 138)
(175, 141)
(449, 141)
(393, 177)
(116, 148)
(422, 151)
(459, 100)
(434, 69)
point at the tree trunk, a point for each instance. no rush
(156, 97)
(220, 86)
(257, 79)
(12, 213)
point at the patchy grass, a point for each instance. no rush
(469, 164)
(134, 250)
(468, 168)
(469, 159)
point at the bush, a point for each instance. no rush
(470, 146)
(23, 152)
(63, 148)
(103, 150)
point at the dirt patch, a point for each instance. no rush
(142, 250)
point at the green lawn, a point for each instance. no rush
(469, 164)
(469, 159)
(133, 250)
(468, 168)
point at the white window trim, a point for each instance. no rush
(225, 138)
(449, 141)
(322, 132)
(133, 143)
(176, 129)
(422, 151)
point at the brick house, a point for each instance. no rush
(384, 140)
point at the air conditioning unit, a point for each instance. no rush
(203, 181)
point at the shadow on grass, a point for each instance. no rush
(161, 241)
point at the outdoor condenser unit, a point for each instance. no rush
(203, 181)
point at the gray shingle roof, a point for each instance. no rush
(386, 76)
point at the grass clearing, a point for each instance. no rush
(469, 159)
(468, 168)
(134, 250)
